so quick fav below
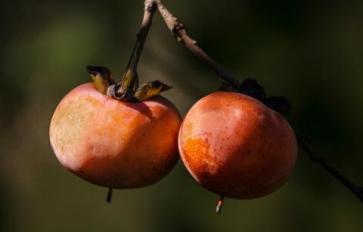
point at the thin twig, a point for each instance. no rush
(358, 191)
(180, 33)
(149, 11)
(126, 88)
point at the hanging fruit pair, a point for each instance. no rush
(234, 142)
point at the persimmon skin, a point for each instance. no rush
(113, 143)
(235, 146)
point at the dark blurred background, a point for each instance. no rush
(309, 51)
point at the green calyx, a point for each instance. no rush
(101, 77)
(128, 88)
(150, 89)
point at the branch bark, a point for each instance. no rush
(180, 33)
(178, 30)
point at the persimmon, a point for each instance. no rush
(113, 143)
(235, 146)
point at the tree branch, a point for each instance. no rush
(358, 191)
(180, 33)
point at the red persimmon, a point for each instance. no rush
(237, 147)
(114, 143)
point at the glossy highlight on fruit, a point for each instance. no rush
(114, 143)
(237, 147)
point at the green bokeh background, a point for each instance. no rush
(309, 51)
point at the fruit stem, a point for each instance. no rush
(220, 204)
(129, 81)
(180, 33)
(356, 190)
(109, 195)
(146, 23)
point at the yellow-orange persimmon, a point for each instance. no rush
(113, 143)
(236, 146)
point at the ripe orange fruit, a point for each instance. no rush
(113, 143)
(236, 146)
